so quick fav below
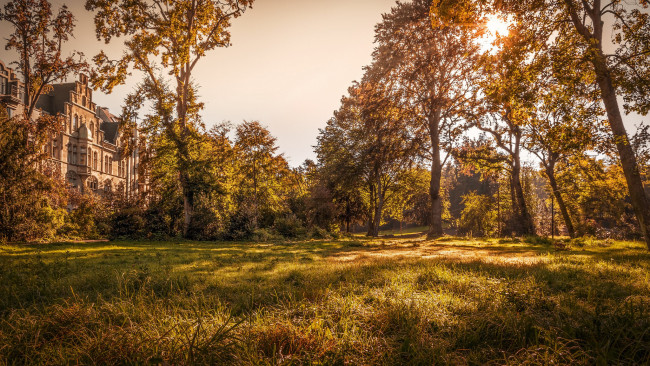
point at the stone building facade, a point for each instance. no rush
(11, 90)
(89, 149)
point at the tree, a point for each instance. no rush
(31, 193)
(565, 122)
(367, 144)
(178, 34)
(626, 73)
(340, 175)
(261, 171)
(510, 79)
(435, 68)
(387, 147)
(38, 37)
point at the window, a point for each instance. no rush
(75, 123)
(69, 155)
(74, 154)
(54, 149)
(119, 168)
(92, 183)
(95, 160)
(83, 101)
(110, 165)
(106, 164)
(82, 155)
(3, 86)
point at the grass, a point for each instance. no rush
(406, 231)
(390, 301)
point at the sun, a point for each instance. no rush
(495, 26)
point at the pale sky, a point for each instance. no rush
(289, 64)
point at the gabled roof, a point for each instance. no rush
(54, 101)
(110, 125)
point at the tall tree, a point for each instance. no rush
(261, 170)
(370, 142)
(178, 34)
(39, 37)
(565, 121)
(625, 73)
(29, 187)
(435, 67)
(508, 84)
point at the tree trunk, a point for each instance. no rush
(371, 212)
(347, 216)
(524, 223)
(628, 158)
(550, 174)
(378, 208)
(183, 153)
(435, 231)
(188, 203)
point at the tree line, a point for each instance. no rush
(441, 130)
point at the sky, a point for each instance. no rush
(290, 63)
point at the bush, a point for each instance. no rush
(241, 226)
(264, 235)
(205, 224)
(319, 233)
(538, 240)
(128, 223)
(88, 218)
(289, 226)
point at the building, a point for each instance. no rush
(11, 90)
(88, 151)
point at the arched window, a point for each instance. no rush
(107, 185)
(75, 124)
(95, 160)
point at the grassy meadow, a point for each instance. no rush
(398, 300)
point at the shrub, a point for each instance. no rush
(319, 233)
(289, 226)
(477, 218)
(128, 223)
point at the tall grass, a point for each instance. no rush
(354, 302)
